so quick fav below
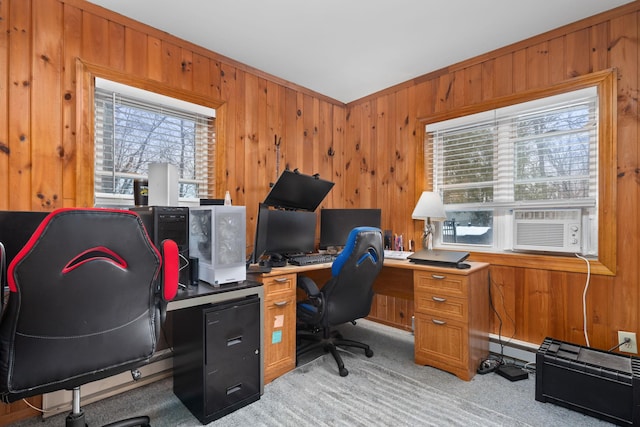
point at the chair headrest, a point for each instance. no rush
(363, 237)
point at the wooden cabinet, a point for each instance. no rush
(279, 348)
(452, 318)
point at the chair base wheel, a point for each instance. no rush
(344, 372)
(368, 353)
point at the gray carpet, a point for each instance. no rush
(388, 389)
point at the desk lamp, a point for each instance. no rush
(429, 208)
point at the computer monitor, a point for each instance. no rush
(284, 232)
(335, 224)
(16, 227)
(294, 190)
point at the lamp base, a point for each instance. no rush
(427, 236)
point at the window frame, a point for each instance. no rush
(84, 150)
(136, 98)
(493, 133)
(605, 82)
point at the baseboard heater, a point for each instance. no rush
(595, 382)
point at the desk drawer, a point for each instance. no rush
(285, 283)
(441, 283)
(442, 305)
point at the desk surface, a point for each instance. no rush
(394, 263)
(205, 293)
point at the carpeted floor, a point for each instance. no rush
(387, 389)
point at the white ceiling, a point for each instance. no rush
(347, 49)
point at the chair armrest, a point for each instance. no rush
(311, 308)
(170, 269)
(308, 286)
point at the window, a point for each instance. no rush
(537, 155)
(134, 128)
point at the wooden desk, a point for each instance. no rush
(451, 313)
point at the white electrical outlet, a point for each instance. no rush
(632, 345)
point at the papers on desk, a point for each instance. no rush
(389, 254)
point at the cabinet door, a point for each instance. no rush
(441, 342)
(279, 336)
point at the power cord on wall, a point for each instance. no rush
(625, 341)
(492, 364)
(511, 370)
(584, 300)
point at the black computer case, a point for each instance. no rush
(168, 222)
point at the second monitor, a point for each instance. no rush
(284, 232)
(335, 224)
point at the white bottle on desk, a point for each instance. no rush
(227, 199)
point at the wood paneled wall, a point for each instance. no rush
(533, 300)
(370, 148)
(45, 160)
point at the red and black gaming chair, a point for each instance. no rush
(86, 301)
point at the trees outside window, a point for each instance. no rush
(131, 132)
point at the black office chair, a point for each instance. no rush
(345, 297)
(86, 301)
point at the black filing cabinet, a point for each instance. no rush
(216, 363)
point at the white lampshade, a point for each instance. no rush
(429, 206)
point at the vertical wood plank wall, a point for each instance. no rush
(369, 147)
(532, 302)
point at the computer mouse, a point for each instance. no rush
(463, 265)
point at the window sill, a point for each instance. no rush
(542, 262)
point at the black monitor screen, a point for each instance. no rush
(298, 191)
(335, 224)
(284, 232)
(16, 227)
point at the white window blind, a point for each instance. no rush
(536, 154)
(134, 128)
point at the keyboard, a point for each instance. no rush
(310, 259)
(389, 254)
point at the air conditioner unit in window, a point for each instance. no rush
(548, 230)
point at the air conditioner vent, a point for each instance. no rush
(548, 230)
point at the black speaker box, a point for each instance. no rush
(598, 383)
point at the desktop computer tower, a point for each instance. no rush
(217, 238)
(168, 222)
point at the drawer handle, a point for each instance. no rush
(281, 280)
(438, 299)
(281, 303)
(234, 341)
(439, 322)
(234, 389)
(438, 276)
